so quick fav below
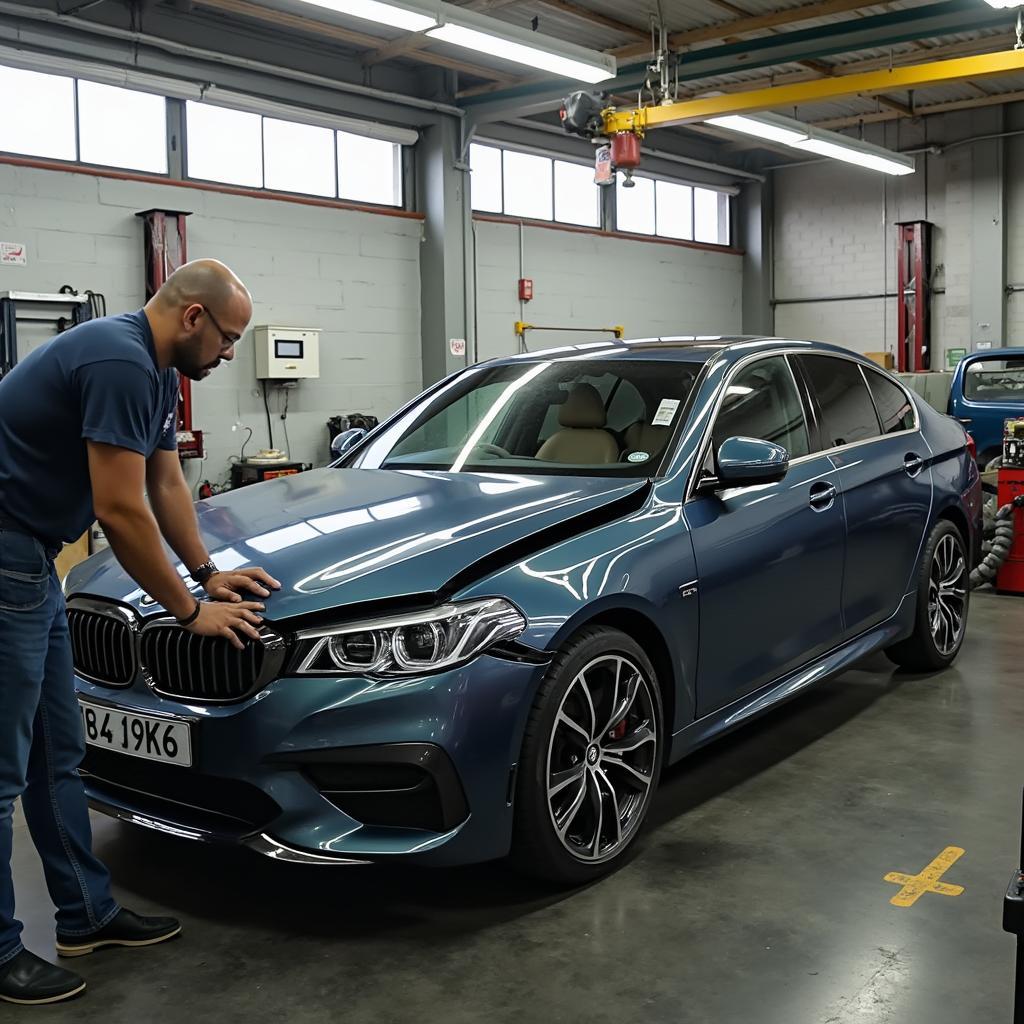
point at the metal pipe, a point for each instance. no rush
(522, 274)
(245, 63)
(938, 148)
(814, 299)
(659, 154)
(476, 293)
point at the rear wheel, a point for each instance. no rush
(591, 760)
(943, 597)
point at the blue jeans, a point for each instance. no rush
(42, 745)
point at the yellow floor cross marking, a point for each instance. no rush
(915, 886)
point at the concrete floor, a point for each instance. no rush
(758, 894)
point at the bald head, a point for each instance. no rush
(209, 283)
(198, 316)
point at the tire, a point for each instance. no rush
(618, 771)
(940, 622)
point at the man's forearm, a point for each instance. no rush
(134, 537)
(176, 516)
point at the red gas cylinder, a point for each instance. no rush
(1011, 576)
(626, 151)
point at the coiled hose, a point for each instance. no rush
(997, 544)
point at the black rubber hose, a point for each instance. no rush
(1001, 544)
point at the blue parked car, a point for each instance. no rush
(511, 605)
(987, 389)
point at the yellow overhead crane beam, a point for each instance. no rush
(868, 83)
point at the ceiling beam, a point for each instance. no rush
(748, 24)
(595, 18)
(327, 30)
(702, 66)
(731, 8)
(990, 44)
(903, 109)
(867, 83)
(880, 116)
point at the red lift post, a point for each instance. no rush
(914, 269)
(166, 250)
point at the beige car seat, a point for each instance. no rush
(582, 439)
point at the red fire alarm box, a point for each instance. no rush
(525, 289)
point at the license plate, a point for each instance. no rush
(156, 739)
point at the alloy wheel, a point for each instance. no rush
(947, 595)
(602, 758)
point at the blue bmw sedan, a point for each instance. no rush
(507, 608)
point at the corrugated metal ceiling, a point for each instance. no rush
(567, 19)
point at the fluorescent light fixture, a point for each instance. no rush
(1005, 5)
(521, 46)
(861, 158)
(408, 18)
(759, 129)
(807, 139)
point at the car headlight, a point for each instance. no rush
(413, 644)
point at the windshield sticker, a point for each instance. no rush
(666, 412)
(638, 456)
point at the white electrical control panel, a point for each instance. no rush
(287, 353)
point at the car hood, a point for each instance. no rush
(337, 537)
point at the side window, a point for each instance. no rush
(762, 402)
(894, 408)
(847, 412)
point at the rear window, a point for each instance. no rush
(847, 412)
(892, 403)
(995, 380)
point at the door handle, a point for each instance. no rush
(913, 464)
(965, 419)
(823, 496)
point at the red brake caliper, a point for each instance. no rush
(618, 732)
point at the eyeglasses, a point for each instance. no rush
(226, 340)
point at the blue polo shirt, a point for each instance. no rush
(96, 382)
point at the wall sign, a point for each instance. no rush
(13, 254)
(458, 346)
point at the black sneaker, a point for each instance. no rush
(30, 981)
(127, 929)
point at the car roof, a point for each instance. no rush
(681, 348)
(994, 353)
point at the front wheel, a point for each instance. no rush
(943, 597)
(591, 760)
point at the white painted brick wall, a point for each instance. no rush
(830, 241)
(354, 275)
(1015, 239)
(584, 280)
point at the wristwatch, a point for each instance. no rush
(201, 573)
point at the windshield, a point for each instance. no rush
(566, 417)
(995, 380)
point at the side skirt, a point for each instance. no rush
(724, 720)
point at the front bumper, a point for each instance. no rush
(334, 771)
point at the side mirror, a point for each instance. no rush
(746, 462)
(346, 440)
